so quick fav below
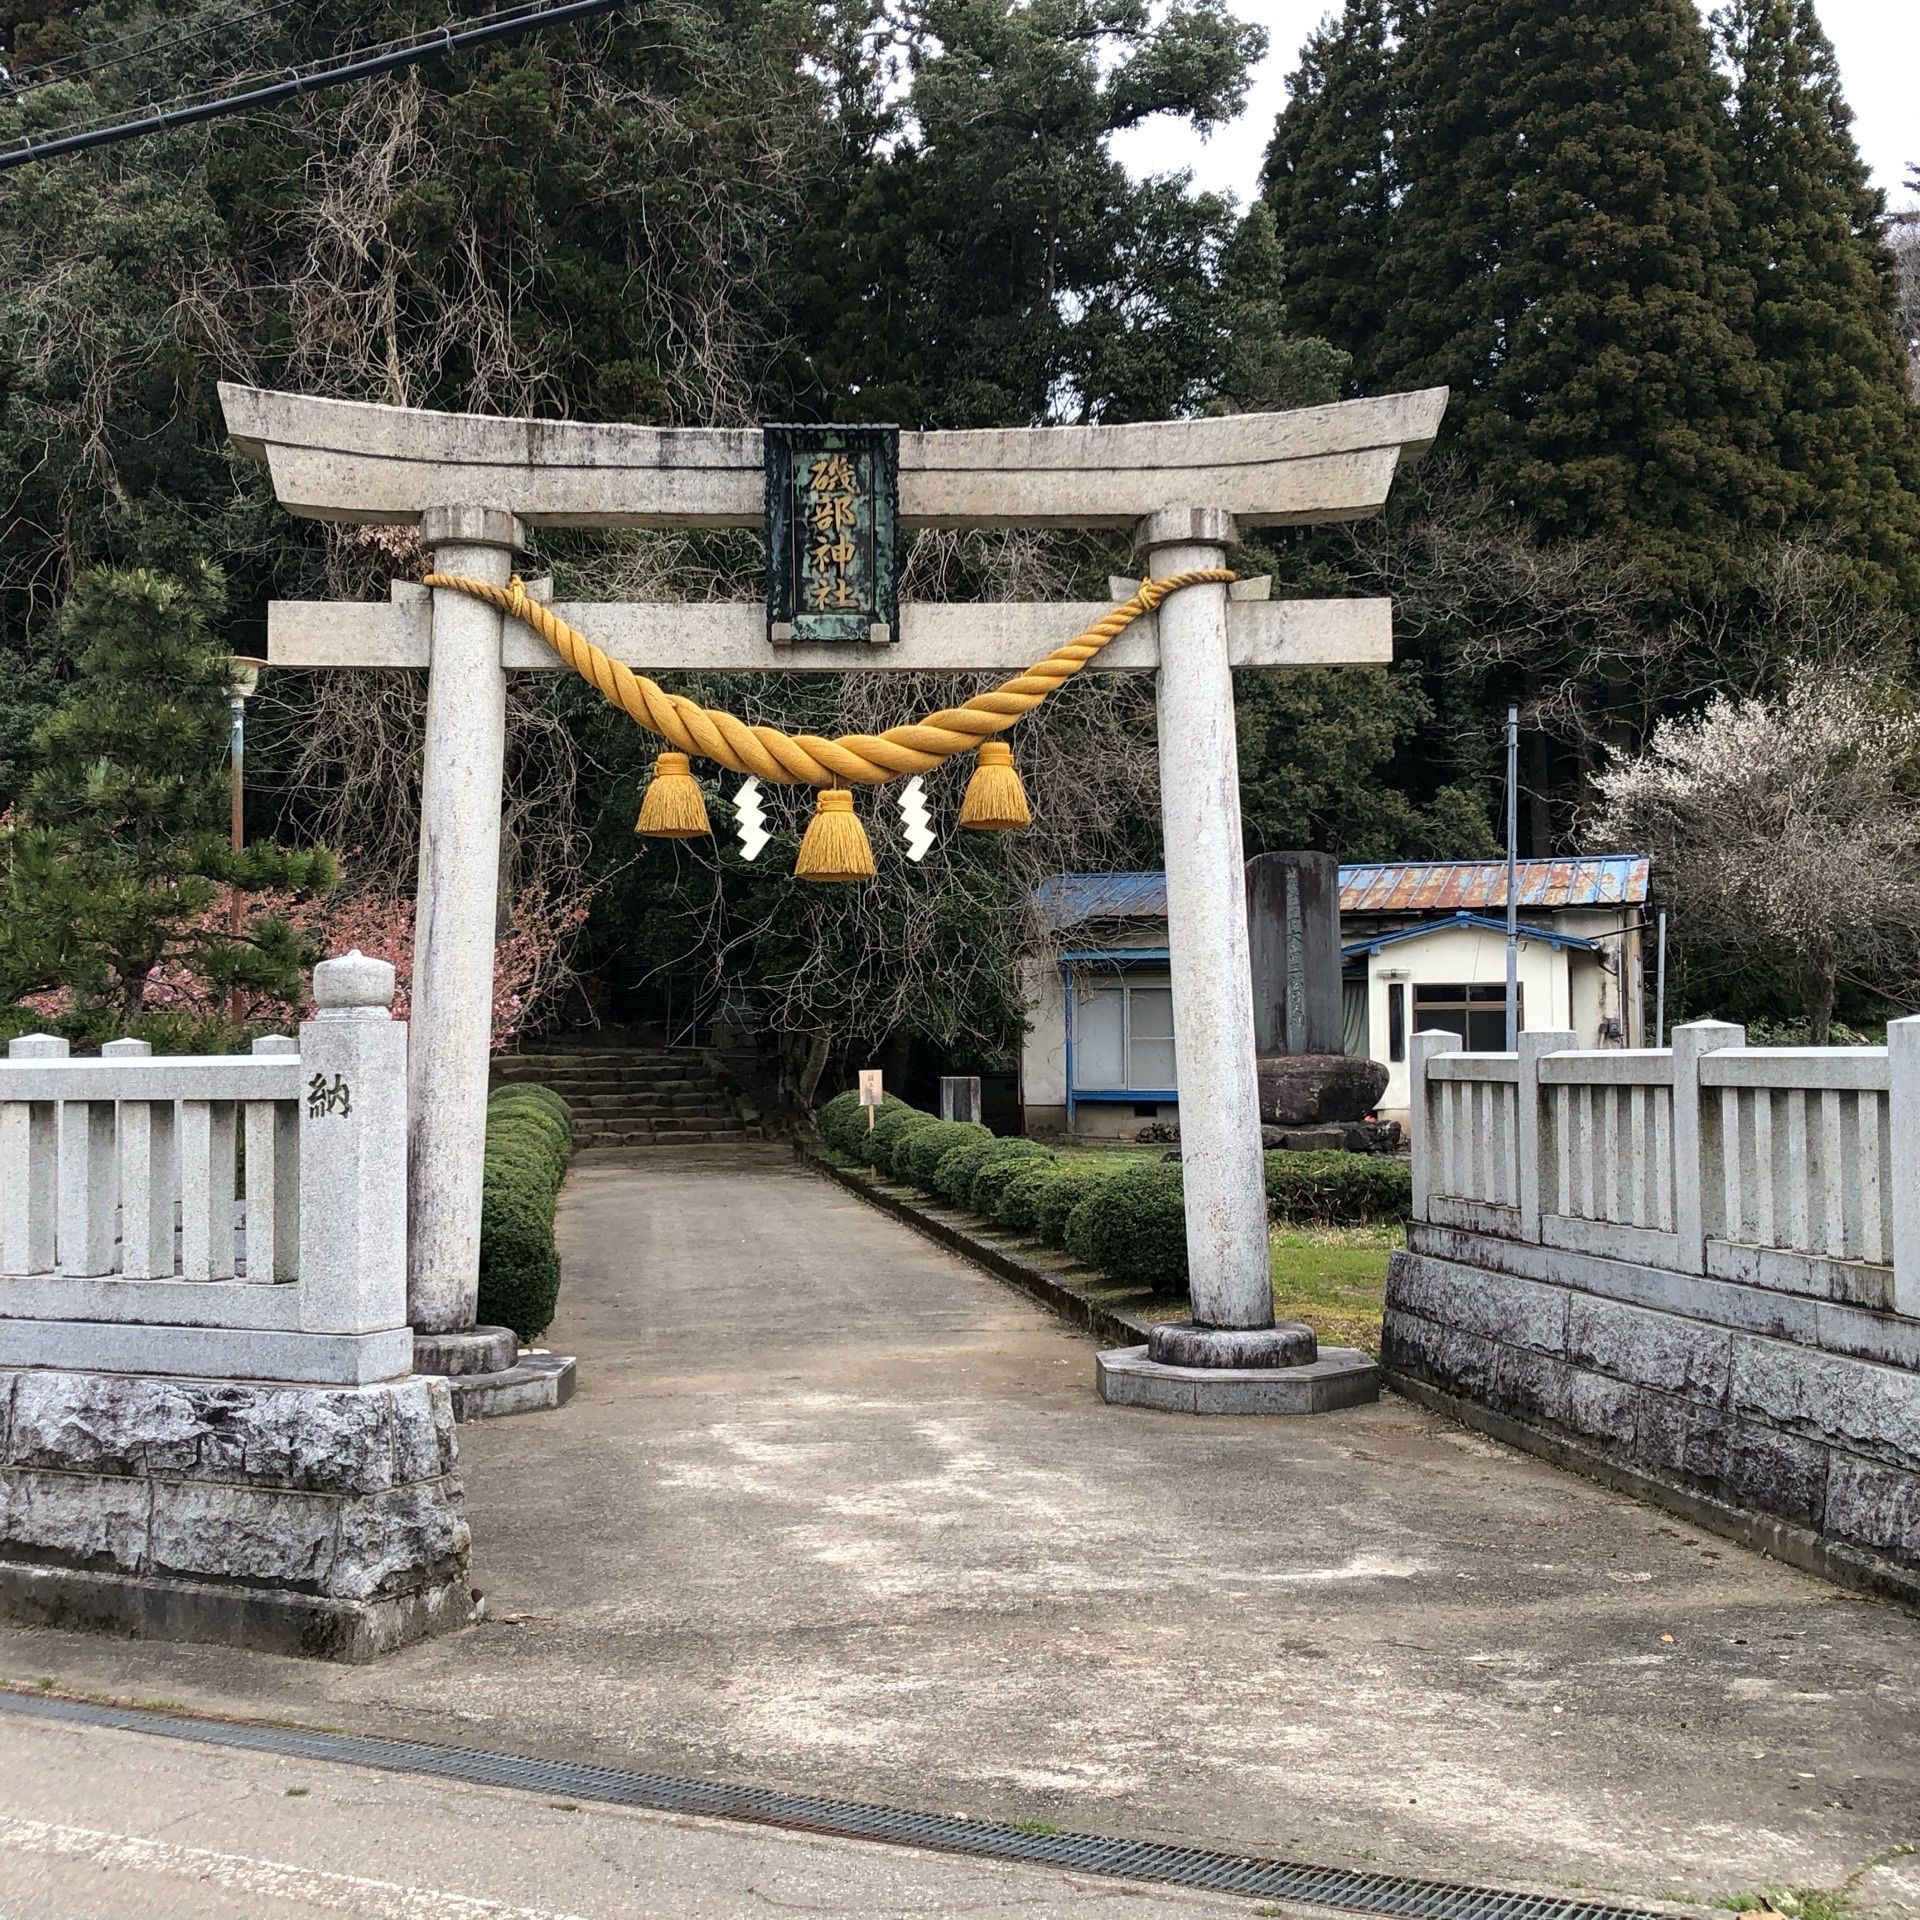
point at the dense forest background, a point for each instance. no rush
(1682, 461)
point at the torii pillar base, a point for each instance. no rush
(488, 1375)
(1280, 1369)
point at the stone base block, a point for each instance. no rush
(299, 1519)
(1341, 1377)
(308, 1626)
(465, 1350)
(533, 1384)
(1179, 1343)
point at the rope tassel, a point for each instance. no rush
(835, 847)
(996, 802)
(673, 807)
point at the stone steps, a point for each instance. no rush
(646, 1097)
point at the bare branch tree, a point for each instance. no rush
(1787, 834)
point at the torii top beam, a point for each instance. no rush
(354, 461)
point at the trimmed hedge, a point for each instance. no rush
(1338, 1189)
(843, 1120)
(1069, 1188)
(529, 1146)
(891, 1125)
(1017, 1204)
(953, 1174)
(991, 1176)
(922, 1150)
(1133, 1227)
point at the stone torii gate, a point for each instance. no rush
(476, 486)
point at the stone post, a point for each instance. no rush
(29, 1168)
(1229, 1278)
(1693, 1176)
(1903, 1140)
(960, 1096)
(1429, 1152)
(1530, 1121)
(455, 916)
(353, 1140)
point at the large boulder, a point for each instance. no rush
(1318, 1089)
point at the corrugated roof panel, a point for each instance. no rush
(1420, 886)
(1400, 886)
(1070, 898)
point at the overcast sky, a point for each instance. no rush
(1878, 42)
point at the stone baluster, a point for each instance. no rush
(272, 1129)
(29, 1168)
(1696, 1168)
(207, 1140)
(89, 1187)
(1423, 1115)
(1533, 1123)
(149, 1176)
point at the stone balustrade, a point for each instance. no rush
(1793, 1168)
(209, 1424)
(1692, 1272)
(234, 1216)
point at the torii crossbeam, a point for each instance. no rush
(475, 484)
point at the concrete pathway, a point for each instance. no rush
(833, 1510)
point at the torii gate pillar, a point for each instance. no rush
(1228, 1274)
(454, 923)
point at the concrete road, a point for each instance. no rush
(833, 1510)
(102, 1825)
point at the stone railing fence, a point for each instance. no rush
(1796, 1169)
(239, 1216)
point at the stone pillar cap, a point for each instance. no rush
(1185, 527)
(353, 983)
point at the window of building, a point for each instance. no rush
(1123, 1035)
(1477, 1014)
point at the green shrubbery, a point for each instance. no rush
(1017, 1203)
(998, 1168)
(1052, 1207)
(1133, 1227)
(922, 1150)
(1129, 1222)
(529, 1145)
(891, 1124)
(1338, 1189)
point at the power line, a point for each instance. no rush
(314, 79)
(46, 73)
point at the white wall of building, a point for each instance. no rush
(1574, 988)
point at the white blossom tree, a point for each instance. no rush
(1786, 834)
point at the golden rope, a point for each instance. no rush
(807, 759)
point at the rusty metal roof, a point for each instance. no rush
(1398, 886)
(1425, 886)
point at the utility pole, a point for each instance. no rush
(1660, 983)
(1513, 879)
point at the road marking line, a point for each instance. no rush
(243, 1873)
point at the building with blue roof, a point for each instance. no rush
(1423, 945)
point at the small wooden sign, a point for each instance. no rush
(870, 1094)
(833, 534)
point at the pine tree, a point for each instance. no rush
(1329, 180)
(1812, 234)
(121, 858)
(1557, 259)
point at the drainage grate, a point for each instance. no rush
(1251, 1875)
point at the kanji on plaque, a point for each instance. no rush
(833, 520)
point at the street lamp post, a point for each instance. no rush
(246, 676)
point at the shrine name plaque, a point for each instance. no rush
(833, 534)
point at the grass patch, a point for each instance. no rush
(1335, 1279)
